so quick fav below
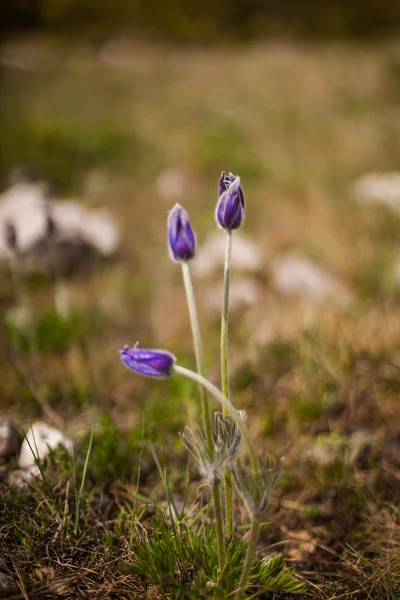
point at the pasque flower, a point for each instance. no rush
(226, 440)
(255, 487)
(151, 363)
(229, 213)
(181, 240)
(227, 433)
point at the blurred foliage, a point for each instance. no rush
(190, 21)
(64, 149)
(222, 138)
(51, 331)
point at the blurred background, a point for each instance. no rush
(189, 22)
(113, 112)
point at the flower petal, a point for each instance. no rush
(151, 363)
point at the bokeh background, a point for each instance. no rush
(131, 107)
(110, 113)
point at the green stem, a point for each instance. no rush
(229, 504)
(224, 376)
(224, 319)
(206, 410)
(225, 403)
(198, 350)
(251, 550)
(216, 493)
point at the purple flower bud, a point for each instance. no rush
(229, 213)
(225, 181)
(181, 238)
(151, 363)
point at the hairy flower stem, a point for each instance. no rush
(219, 521)
(224, 376)
(206, 411)
(251, 550)
(198, 350)
(224, 320)
(225, 403)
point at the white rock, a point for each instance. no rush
(101, 232)
(25, 205)
(246, 255)
(39, 440)
(20, 478)
(298, 276)
(68, 216)
(379, 188)
(94, 227)
(9, 439)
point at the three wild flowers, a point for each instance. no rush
(216, 441)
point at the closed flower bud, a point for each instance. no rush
(211, 467)
(226, 438)
(227, 433)
(229, 213)
(255, 487)
(151, 363)
(181, 240)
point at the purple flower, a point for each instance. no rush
(181, 240)
(229, 213)
(151, 363)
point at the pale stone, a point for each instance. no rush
(39, 440)
(94, 227)
(21, 478)
(23, 205)
(9, 439)
(68, 216)
(247, 256)
(26, 206)
(298, 276)
(101, 232)
(379, 188)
